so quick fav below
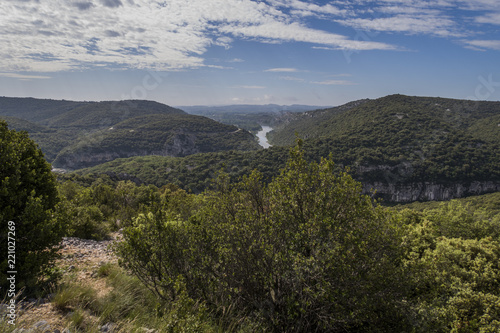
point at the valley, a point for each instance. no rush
(364, 205)
(406, 148)
(284, 166)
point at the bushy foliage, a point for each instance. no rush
(94, 211)
(453, 256)
(486, 204)
(28, 196)
(308, 252)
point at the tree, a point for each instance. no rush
(308, 252)
(28, 196)
(453, 254)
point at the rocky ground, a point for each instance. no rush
(81, 260)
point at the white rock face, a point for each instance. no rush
(426, 191)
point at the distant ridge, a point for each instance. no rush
(73, 135)
(248, 108)
(406, 148)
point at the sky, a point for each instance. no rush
(220, 52)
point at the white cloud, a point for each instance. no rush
(441, 18)
(279, 31)
(286, 70)
(249, 87)
(491, 18)
(334, 82)
(480, 45)
(302, 8)
(55, 36)
(25, 76)
(423, 24)
(291, 78)
(51, 35)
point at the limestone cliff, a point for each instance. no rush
(426, 191)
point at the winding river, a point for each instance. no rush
(262, 136)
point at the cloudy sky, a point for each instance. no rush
(192, 52)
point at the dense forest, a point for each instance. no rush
(74, 135)
(396, 140)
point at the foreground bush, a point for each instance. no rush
(306, 253)
(28, 197)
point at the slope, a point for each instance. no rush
(386, 117)
(87, 131)
(407, 148)
(158, 134)
(34, 109)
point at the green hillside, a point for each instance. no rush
(24, 125)
(34, 109)
(489, 204)
(395, 143)
(80, 134)
(102, 114)
(406, 138)
(384, 118)
(195, 172)
(164, 135)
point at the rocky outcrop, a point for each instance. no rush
(426, 191)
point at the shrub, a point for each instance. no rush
(306, 253)
(28, 196)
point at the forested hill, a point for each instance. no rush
(35, 109)
(407, 148)
(395, 116)
(73, 135)
(63, 113)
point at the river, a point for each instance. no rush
(262, 136)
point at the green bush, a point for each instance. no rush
(308, 252)
(28, 196)
(453, 255)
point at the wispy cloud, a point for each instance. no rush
(480, 45)
(282, 70)
(249, 87)
(175, 33)
(334, 83)
(303, 8)
(292, 78)
(421, 24)
(491, 18)
(25, 76)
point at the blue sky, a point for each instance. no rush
(212, 52)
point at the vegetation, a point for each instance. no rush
(488, 204)
(304, 251)
(165, 135)
(402, 139)
(395, 140)
(251, 121)
(453, 160)
(195, 172)
(269, 245)
(294, 255)
(80, 134)
(309, 252)
(390, 115)
(94, 211)
(28, 198)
